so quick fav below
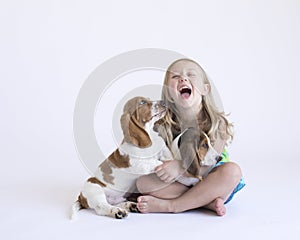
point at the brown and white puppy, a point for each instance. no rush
(198, 157)
(139, 153)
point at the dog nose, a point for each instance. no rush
(159, 104)
(162, 103)
(219, 158)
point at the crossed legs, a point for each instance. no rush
(211, 193)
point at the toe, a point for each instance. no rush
(142, 207)
(141, 199)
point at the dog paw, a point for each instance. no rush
(120, 213)
(129, 206)
(133, 208)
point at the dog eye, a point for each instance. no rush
(204, 145)
(142, 102)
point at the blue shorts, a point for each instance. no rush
(240, 185)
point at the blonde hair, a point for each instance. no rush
(210, 119)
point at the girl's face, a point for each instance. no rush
(186, 85)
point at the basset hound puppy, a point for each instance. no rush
(198, 157)
(139, 153)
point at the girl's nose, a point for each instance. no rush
(183, 78)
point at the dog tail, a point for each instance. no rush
(74, 209)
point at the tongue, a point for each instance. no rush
(185, 95)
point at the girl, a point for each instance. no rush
(187, 93)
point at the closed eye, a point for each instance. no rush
(176, 76)
(191, 75)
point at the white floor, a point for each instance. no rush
(35, 203)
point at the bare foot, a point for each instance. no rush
(217, 206)
(149, 204)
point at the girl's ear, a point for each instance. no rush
(206, 89)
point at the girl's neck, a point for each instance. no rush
(188, 117)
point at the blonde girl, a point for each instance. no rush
(187, 93)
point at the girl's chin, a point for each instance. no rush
(184, 103)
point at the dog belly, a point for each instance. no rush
(120, 181)
(96, 195)
(143, 166)
(124, 179)
(116, 190)
(114, 197)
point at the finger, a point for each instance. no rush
(164, 177)
(162, 166)
(158, 168)
(169, 180)
(160, 173)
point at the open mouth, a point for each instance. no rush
(185, 92)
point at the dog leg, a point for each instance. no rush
(96, 199)
(111, 211)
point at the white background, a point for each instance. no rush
(48, 48)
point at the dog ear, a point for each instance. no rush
(134, 132)
(125, 118)
(188, 151)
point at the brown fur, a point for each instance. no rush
(96, 181)
(118, 160)
(193, 148)
(136, 113)
(201, 152)
(133, 121)
(139, 137)
(83, 201)
(107, 172)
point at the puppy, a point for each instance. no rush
(198, 157)
(139, 153)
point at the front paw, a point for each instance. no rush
(120, 213)
(129, 206)
(133, 208)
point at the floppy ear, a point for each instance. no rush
(188, 151)
(125, 118)
(134, 132)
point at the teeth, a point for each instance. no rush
(184, 87)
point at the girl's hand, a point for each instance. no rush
(169, 170)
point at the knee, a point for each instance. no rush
(232, 170)
(150, 184)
